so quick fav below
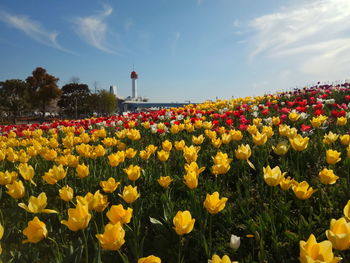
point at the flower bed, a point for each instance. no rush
(175, 185)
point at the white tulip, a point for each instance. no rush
(235, 242)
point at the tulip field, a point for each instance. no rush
(263, 179)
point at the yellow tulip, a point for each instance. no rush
(226, 138)
(257, 121)
(66, 193)
(303, 190)
(174, 129)
(55, 174)
(225, 259)
(281, 148)
(117, 213)
(149, 259)
(339, 234)
(49, 154)
(287, 183)
(268, 131)
(179, 145)
(164, 181)
(313, 252)
(191, 153)
(191, 179)
(121, 134)
(35, 231)
(327, 176)
(259, 138)
(2, 155)
(213, 204)
(198, 139)
(116, 158)
(293, 116)
(243, 152)
(72, 160)
(100, 201)
(99, 151)
(113, 237)
(11, 156)
(163, 156)
(198, 124)
(220, 168)
(341, 121)
(146, 124)
(167, 146)
(276, 121)
(236, 135)
(208, 125)
(78, 217)
(133, 172)
(16, 190)
(210, 134)
(130, 194)
(183, 222)
(189, 127)
(7, 177)
(345, 139)
(110, 185)
(221, 163)
(216, 142)
(299, 143)
(87, 200)
(145, 155)
(151, 148)
(193, 167)
(121, 146)
(134, 135)
(332, 156)
(283, 129)
(252, 129)
(330, 138)
(82, 170)
(274, 176)
(346, 211)
(317, 122)
(1, 235)
(37, 205)
(130, 153)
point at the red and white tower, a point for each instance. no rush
(134, 78)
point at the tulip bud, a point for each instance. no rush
(235, 242)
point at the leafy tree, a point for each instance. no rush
(108, 102)
(94, 103)
(102, 103)
(74, 99)
(14, 97)
(43, 88)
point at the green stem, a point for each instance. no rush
(179, 251)
(58, 248)
(86, 247)
(210, 234)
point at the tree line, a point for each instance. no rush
(39, 94)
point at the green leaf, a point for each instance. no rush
(155, 221)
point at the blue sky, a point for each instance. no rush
(182, 50)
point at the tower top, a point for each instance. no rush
(134, 75)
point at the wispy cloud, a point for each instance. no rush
(93, 29)
(32, 29)
(128, 24)
(314, 35)
(199, 2)
(176, 38)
